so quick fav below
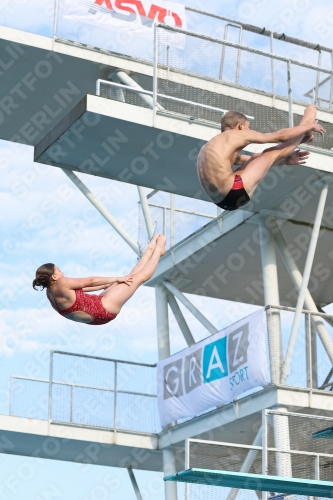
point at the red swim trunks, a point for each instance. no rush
(90, 304)
(237, 196)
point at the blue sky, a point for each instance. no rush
(44, 219)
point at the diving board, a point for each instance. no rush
(307, 487)
(124, 142)
(324, 433)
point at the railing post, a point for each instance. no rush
(331, 91)
(316, 91)
(115, 400)
(239, 53)
(264, 460)
(72, 400)
(308, 349)
(164, 221)
(155, 72)
(11, 395)
(317, 472)
(55, 21)
(187, 466)
(290, 95)
(271, 36)
(172, 220)
(50, 391)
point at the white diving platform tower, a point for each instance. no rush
(143, 122)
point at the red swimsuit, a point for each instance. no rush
(90, 304)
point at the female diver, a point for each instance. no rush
(69, 298)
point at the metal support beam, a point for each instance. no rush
(103, 211)
(134, 483)
(305, 280)
(247, 464)
(162, 318)
(271, 291)
(296, 277)
(311, 353)
(146, 212)
(180, 320)
(196, 313)
(282, 442)
(169, 467)
(120, 76)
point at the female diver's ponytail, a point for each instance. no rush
(44, 276)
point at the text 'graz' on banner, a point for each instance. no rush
(135, 16)
(214, 371)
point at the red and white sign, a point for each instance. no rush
(136, 16)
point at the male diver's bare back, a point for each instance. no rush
(215, 161)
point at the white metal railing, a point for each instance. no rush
(28, 408)
(116, 391)
(313, 357)
(172, 225)
(270, 456)
(240, 47)
(154, 104)
(151, 98)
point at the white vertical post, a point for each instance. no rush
(11, 395)
(317, 472)
(271, 291)
(55, 22)
(115, 402)
(308, 349)
(169, 460)
(264, 461)
(282, 442)
(187, 466)
(164, 221)
(50, 391)
(168, 59)
(98, 87)
(331, 91)
(72, 403)
(169, 468)
(146, 212)
(172, 219)
(272, 65)
(155, 61)
(316, 92)
(290, 95)
(305, 280)
(162, 318)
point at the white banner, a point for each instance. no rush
(214, 371)
(134, 16)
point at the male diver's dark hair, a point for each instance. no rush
(44, 276)
(231, 119)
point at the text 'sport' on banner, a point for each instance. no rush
(135, 16)
(214, 371)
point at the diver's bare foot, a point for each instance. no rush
(309, 116)
(153, 241)
(161, 242)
